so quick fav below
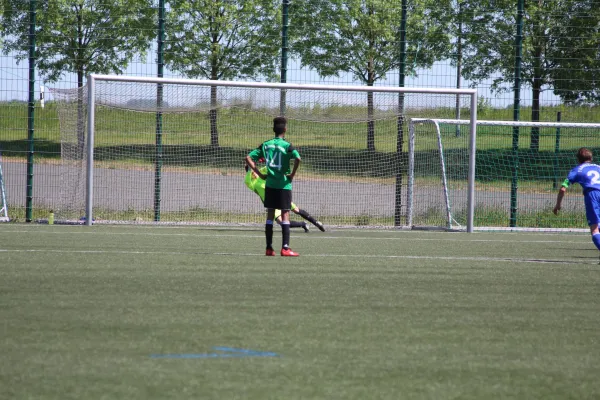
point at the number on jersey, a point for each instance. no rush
(274, 162)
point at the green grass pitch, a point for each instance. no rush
(85, 311)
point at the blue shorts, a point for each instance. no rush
(592, 206)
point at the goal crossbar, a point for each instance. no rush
(481, 122)
(274, 85)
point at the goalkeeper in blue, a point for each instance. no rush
(587, 174)
(257, 185)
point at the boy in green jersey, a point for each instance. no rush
(277, 153)
(257, 185)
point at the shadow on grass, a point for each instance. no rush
(42, 148)
(324, 160)
(492, 165)
(499, 164)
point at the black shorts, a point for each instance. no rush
(279, 199)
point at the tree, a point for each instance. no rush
(362, 37)
(560, 48)
(79, 36)
(223, 39)
(578, 49)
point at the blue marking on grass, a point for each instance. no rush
(248, 353)
(227, 352)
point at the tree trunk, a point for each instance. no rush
(80, 150)
(535, 115)
(214, 75)
(536, 87)
(370, 82)
(370, 110)
(80, 71)
(370, 123)
(212, 114)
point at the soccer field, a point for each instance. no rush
(134, 312)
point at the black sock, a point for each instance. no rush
(269, 235)
(285, 231)
(296, 224)
(307, 216)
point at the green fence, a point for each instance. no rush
(420, 43)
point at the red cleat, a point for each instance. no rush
(288, 253)
(270, 252)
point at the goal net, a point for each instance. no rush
(172, 150)
(515, 183)
(3, 203)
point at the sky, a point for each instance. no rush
(14, 80)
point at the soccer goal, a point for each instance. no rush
(3, 202)
(516, 182)
(159, 150)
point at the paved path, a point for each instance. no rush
(134, 190)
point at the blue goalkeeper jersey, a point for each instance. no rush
(587, 175)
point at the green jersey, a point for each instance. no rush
(277, 154)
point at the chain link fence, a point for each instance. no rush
(529, 61)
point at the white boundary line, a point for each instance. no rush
(333, 228)
(301, 236)
(402, 257)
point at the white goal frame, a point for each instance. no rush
(91, 101)
(3, 202)
(411, 172)
(436, 122)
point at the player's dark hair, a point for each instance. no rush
(584, 155)
(279, 124)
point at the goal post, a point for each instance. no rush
(449, 220)
(191, 169)
(510, 185)
(3, 202)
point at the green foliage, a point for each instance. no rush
(483, 106)
(560, 45)
(576, 75)
(559, 48)
(362, 36)
(78, 36)
(223, 39)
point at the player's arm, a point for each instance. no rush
(252, 165)
(294, 168)
(297, 161)
(560, 196)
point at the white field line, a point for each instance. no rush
(301, 236)
(404, 257)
